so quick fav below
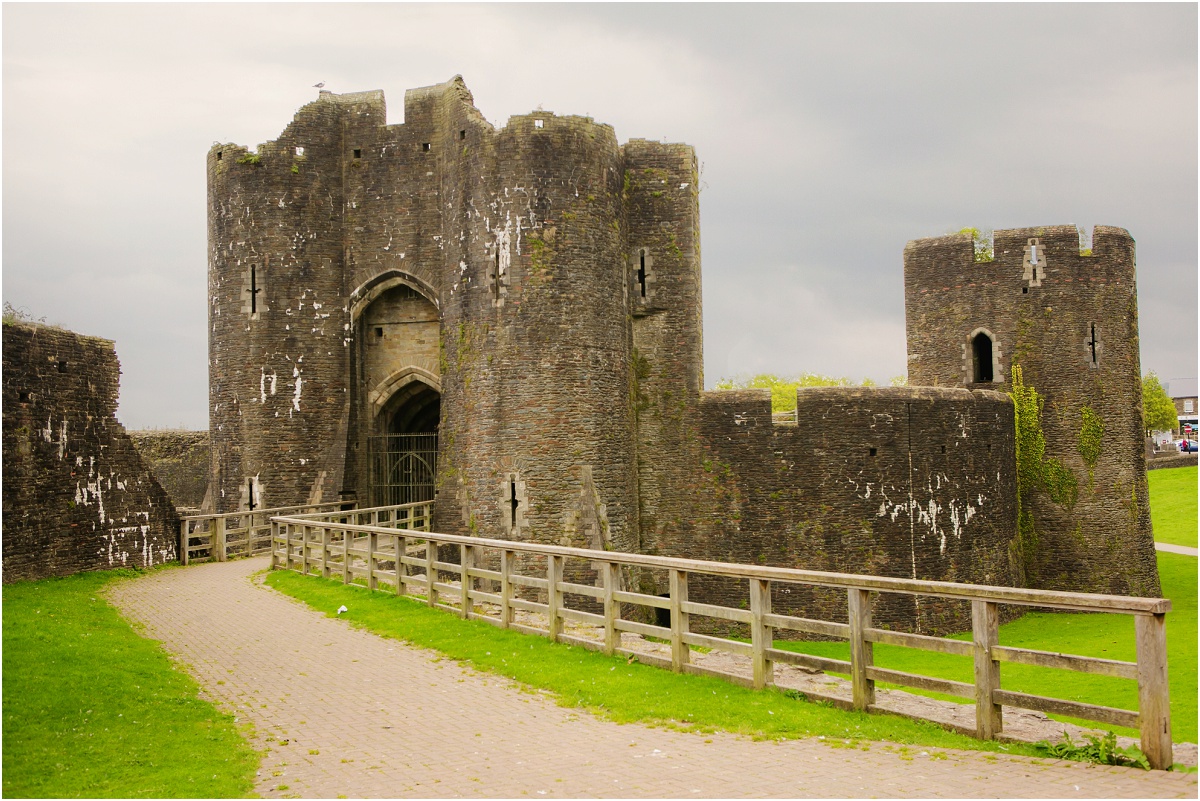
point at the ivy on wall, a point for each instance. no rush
(1034, 471)
(1091, 432)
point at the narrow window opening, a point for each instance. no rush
(873, 451)
(24, 397)
(1024, 290)
(425, 146)
(462, 134)
(379, 332)
(989, 447)
(62, 367)
(358, 153)
(1091, 343)
(250, 494)
(981, 345)
(943, 449)
(538, 123)
(219, 154)
(642, 272)
(514, 502)
(662, 617)
(254, 289)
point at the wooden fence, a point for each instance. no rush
(398, 554)
(217, 537)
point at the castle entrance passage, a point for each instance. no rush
(404, 455)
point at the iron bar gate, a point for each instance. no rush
(403, 468)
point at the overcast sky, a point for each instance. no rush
(829, 135)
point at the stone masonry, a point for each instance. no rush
(77, 496)
(532, 294)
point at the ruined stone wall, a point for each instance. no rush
(1070, 322)
(76, 494)
(911, 482)
(179, 461)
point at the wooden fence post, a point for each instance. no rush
(554, 571)
(465, 561)
(218, 540)
(985, 633)
(183, 542)
(506, 611)
(372, 544)
(274, 545)
(679, 620)
(304, 549)
(287, 545)
(347, 540)
(1154, 697)
(760, 633)
(401, 568)
(430, 574)
(612, 609)
(862, 653)
(324, 552)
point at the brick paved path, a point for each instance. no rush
(366, 716)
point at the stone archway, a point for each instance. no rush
(404, 446)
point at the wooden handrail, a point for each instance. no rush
(1056, 599)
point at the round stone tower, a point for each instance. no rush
(537, 369)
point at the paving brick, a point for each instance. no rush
(386, 720)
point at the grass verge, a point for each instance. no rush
(611, 686)
(1173, 492)
(1102, 635)
(91, 709)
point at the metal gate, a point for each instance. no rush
(403, 468)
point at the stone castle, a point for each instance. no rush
(510, 320)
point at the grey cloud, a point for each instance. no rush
(830, 136)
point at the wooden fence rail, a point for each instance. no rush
(398, 553)
(217, 537)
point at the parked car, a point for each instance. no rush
(1188, 446)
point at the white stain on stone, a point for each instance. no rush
(299, 383)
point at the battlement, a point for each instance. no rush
(953, 258)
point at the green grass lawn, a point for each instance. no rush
(91, 709)
(1108, 636)
(1173, 505)
(611, 686)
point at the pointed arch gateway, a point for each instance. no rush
(398, 388)
(404, 448)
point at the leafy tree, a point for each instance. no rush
(984, 249)
(1158, 410)
(783, 388)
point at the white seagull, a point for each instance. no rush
(320, 85)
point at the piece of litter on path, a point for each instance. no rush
(342, 609)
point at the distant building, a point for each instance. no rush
(1183, 393)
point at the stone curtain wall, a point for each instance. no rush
(179, 460)
(906, 482)
(1072, 327)
(77, 496)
